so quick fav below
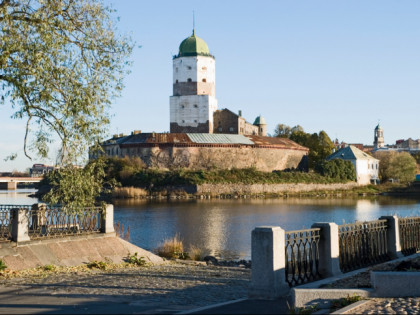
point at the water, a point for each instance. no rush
(223, 227)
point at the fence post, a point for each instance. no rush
(393, 236)
(107, 224)
(268, 263)
(20, 225)
(329, 249)
(38, 215)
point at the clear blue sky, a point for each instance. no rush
(337, 66)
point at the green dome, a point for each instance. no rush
(193, 46)
(260, 121)
(378, 127)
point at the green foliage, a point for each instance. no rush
(319, 144)
(2, 265)
(61, 65)
(121, 169)
(97, 265)
(50, 267)
(135, 260)
(154, 178)
(396, 165)
(76, 188)
(337, 168)
(304, 310)
(343, 302)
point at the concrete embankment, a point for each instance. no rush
(71, 251)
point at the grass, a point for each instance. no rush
(2, 265)
(195, 253)
(172, 248)
(343, 302)
(129, 192)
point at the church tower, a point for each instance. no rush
(379, 138)
(193, 101)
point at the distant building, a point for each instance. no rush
(378, 141)
(193, 105)
(202, 136)
(366, 166)
(39, 170)
(204, 150)
(408, 145)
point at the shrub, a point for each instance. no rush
(134, 260)
(195, 253)
(2, 265)
(396, 165)
(172, 248)
(50, 267)
(97, 265)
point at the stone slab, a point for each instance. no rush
(396, 283)
(323, 297)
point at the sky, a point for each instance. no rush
(337, 66)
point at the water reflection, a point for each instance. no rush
(223, 227)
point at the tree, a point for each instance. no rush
(282, 131)
(396, 165)
(337, 168)
(61, 64)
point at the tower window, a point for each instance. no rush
(189, 80)
(176, 69)
(189, 68)
(176, 81)
(183, 121)
(204, 68)
(195, 106)
(195, 120)
(204, 80)
(182, 106)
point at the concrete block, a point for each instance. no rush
(108, 220)
(268, 279)
(20, 225)
(329, 263)
(323, 297)
(396, 283)
(393, 236)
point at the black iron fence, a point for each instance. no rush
(53, 222)
(49, 222)
(409, 235)
(302, 256)
(362, 244)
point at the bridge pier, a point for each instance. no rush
(8, 186)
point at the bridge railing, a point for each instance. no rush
(409, 235)
(20, 223)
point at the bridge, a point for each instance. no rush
(10, 183)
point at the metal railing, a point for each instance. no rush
(302, 256)
(409, 235)
(49, 222)
(362, 244)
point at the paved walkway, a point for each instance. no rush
(389, 306)
(164, 289)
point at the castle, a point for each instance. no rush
(201, 135)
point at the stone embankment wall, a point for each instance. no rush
(220, 156)
(70, 251)
(243, 189)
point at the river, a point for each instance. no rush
(223, 227)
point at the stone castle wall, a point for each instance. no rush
(218, 156)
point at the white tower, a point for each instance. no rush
(378, 141)
(193, 102)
